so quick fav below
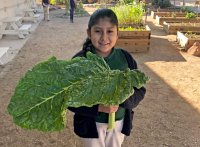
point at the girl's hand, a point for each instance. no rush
(108, 109)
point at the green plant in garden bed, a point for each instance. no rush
(42, 96)
(129, 14)
(190, 15)
(173, 14)
(193, 35)
(132, 29)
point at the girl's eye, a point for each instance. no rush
(97, 31)
(110, 31)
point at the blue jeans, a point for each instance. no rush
(71, 11)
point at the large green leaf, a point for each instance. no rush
(44, 93)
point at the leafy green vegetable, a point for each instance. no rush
(44, 93)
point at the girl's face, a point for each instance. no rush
(103, 36)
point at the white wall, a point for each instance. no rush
(9, 8)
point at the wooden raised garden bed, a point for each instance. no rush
(187, 39)
(169, 9)
(154, 11)
(134, 41)
(172, 28)
(167, 14)
(160, 20)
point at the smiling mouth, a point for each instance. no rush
(104, 44)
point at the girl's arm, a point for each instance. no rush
(135, 99)
(139, 94)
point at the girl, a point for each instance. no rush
(91, 123)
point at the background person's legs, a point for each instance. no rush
(71, 15)
(46, 13)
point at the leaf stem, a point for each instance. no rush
(111, 121)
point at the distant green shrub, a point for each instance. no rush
(53, 2)
(128, 1)
(154, 2)
(162, 3)
(186, 9)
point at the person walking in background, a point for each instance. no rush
(72, 7)
(46, 4)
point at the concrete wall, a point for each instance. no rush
(9, 8)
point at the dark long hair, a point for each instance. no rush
(94, 19)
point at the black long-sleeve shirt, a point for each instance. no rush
(84, 118)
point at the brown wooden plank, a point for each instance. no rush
(134, 42)
(161, 20)
(172, 28)
(123, 34)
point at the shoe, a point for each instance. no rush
(71, 21)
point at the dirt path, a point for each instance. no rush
(168, 116)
